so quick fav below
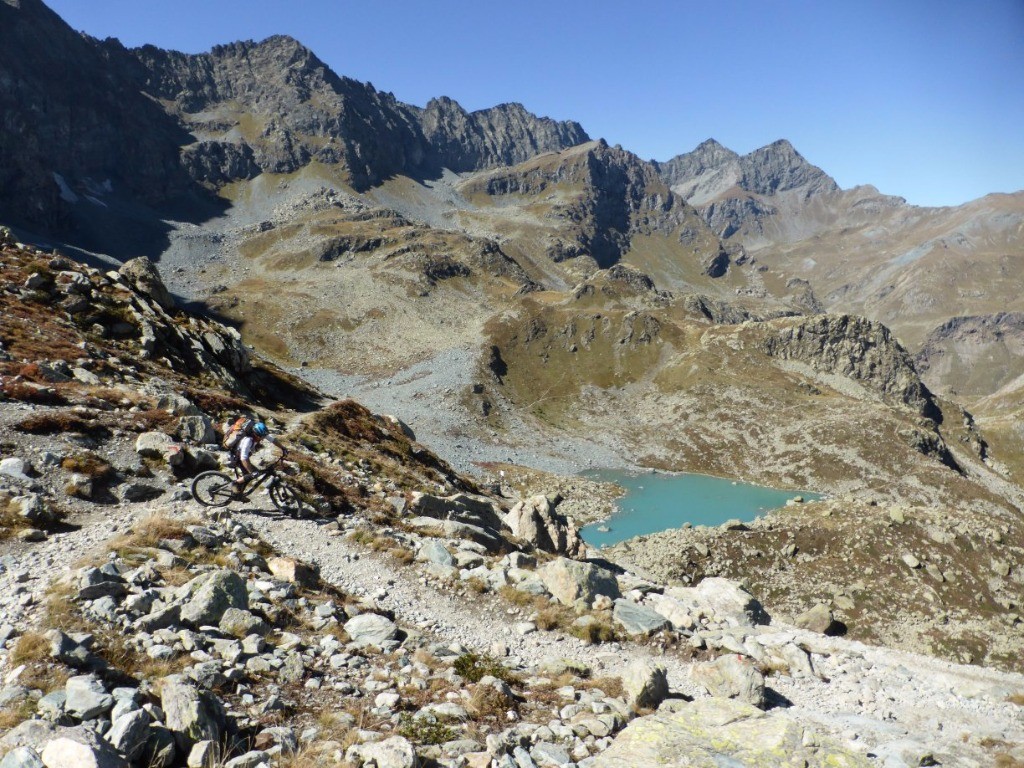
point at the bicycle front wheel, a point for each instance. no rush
(212, 489)
(286, 499)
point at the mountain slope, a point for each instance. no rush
(859, 251)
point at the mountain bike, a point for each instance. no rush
(218, 489)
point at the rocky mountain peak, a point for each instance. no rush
(778, 167)
(506, 134)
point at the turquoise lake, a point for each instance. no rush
(657, 502)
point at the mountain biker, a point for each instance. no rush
(244, 448)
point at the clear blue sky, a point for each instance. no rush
(922, 98)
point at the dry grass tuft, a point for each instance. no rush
(61, 611)
(89, 464)
(61, 422)
(402, 555)
(17, 714)
(30, 647)
(593, 633)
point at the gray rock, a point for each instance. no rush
(645, 683)
(16, 469)
(817, 619)
(160, 750)
(129, 733)
(154, 445)
(453, 529)
(67, 753)
(51, 706)
(248, 760)
(549, 755)
(22, 757)
(143, 276)
(159, 619)
(572, 582)
(433, 551)
(65, 649)
(211, 595)
(86, 697)
(190, 714)
(638, 620)
(395, 752)
(205, 536)
(719, 732)
(12, 695)
(721, 599)
(197, 430)
(204, 754)
(294, 571)
(371, 629)
(241, 623)
(478, 511)
(535, 520)
(33, 508)
(731, 677)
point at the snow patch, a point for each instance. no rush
(66, 193)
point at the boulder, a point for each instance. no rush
(241, 623)
(22, 757)
(251, 759)
(536, 521)
(197, 430)
(16, 469)
(462, 507)
(572, 582)
(645, 683)
(86, 697)
(294, 571)
(433, 551)
(638, 620)
(718, 732)
(144, 277)
(67, 753)
(190, 714)
(157, 445)
(33, 508)
(129, 733)
(723, 600)
(204, 754)
(731, 677)
(453, 529)
(395, 752)
(177, 404)
(211, 594)
(817, 619)
(371, 629)
(160, 749)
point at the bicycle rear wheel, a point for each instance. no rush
(286, 499)
(212, 489)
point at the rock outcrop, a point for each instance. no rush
(856, 348)
(535, 520)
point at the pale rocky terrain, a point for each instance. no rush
(520, 300)
(139, 630)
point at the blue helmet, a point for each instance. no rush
(260, 429)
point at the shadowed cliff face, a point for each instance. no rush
(148, 125)
(64, 112)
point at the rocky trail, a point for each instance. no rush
(897, 709)
(861, 694)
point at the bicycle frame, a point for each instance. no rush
(262, 475)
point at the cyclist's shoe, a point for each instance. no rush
(237, 488)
